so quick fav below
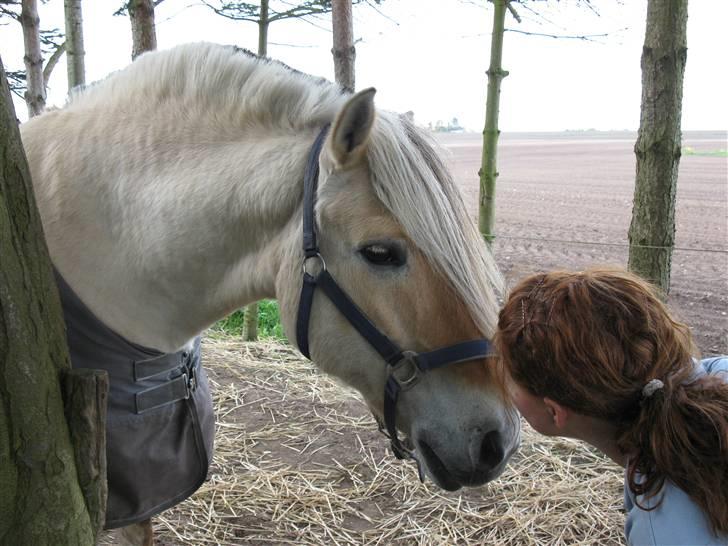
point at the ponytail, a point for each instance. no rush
(681, 434)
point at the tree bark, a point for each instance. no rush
(74, 43)
(85, 395)
(488, 171)
(263, 29)
(35, 94)
(40, 499)
(343, 51)
(143, 33)
(250, 322)
(652, 230)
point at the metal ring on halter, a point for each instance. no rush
(307, 258)
(408, 363)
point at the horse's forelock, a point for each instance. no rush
(410, 178)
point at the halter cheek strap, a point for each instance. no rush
(404, 368)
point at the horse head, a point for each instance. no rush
(393, 231)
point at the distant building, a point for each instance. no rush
(453, 126)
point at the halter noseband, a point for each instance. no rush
(405, 368)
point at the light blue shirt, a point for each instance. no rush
(677, 521)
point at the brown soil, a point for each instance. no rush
(564, 201)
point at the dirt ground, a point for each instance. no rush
(564, 200)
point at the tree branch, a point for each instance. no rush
(513, 11)
(585, 37)
(239, 12)
(52, 62)
(303, 10)
(16, 82)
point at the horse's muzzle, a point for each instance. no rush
(488, 452)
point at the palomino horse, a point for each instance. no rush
(171, 194)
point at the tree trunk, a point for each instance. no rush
(40, 498)
(35, 94)
(263, 29)
(344, 51)
(143, 33)
(652, 231)
(250, 322)
(74, 43)
(488, 170)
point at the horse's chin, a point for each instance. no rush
(445, 478)
(437, 470)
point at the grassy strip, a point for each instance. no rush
(687, 150)
(269, 322)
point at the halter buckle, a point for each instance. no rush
(317, 256)
(406, 372)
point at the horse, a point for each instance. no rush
(171, 193)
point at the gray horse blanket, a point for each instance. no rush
(160, 424)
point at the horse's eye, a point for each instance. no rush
(383, 255)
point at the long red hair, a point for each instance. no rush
(591, 341)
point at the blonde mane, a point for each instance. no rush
(232, 88)
(220, 84)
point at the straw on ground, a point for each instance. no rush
(298, 460)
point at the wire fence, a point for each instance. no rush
(615, 245)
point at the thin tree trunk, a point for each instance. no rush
(40, 498)
(488, 171)
(250, 322)
(344, 51)
(74, 43)
(143, 33)
(35, 94)
(652, 231)
(263, 29)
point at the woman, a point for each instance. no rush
(597, 356)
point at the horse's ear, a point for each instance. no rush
(352, 127)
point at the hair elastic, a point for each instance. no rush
(651, 387)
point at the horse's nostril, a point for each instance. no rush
(491, 449)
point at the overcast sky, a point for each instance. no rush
(430, 56)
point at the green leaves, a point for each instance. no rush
(269, 322)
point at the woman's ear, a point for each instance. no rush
(559, 414)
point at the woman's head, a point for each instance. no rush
(591, 341)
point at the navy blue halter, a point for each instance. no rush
(404, 367)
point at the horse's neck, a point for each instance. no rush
(161, 250)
